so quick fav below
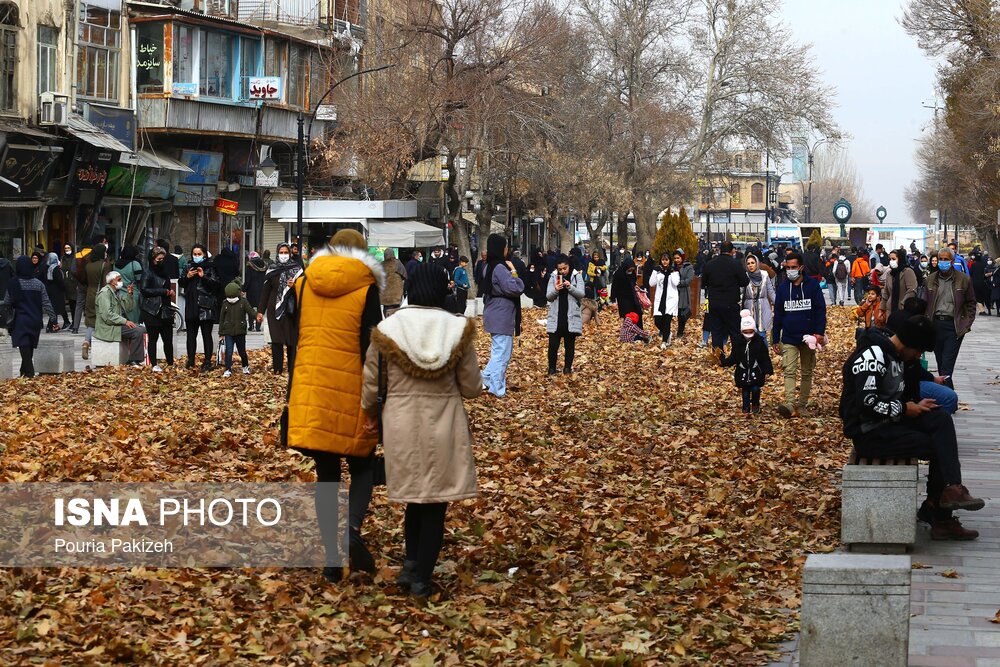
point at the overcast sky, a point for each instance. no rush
(881, 79)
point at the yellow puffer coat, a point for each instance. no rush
(324, 408)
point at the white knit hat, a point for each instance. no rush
(746, 321)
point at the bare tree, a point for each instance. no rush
(836, 176)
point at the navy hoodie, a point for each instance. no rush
(799, 310)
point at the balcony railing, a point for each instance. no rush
(191, 116)
(336, 14)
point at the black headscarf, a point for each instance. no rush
(623, 288)
(427, 285)
(897, 274)
(98, 253)
(128, 255)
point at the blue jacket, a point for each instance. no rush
(961, 265)
(799, 310)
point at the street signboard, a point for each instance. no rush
(227, 206)
(265, 87)
(327, 112)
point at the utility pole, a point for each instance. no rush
(942, 218)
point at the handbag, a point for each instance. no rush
(642, 298)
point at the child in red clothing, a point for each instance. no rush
(630, 330)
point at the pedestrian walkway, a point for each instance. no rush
(950, 615)
(255, 341)
(950, 624)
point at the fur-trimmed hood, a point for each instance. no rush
(426, 343)
(335, 271)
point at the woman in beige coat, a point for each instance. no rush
(429, 365)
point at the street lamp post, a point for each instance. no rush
(811, 152)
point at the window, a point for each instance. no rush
(296, 77)
(216, 65)
(8, 55)
(99, 49)
(317, 78)
(149, 57)
(185, 53)
(706, 196)
(248, 64)
(739, 162)
(47, 58)
(274, 58)
(757, 193)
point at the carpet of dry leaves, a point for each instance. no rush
(627, 515)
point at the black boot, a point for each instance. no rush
(361, 558)
(407, 574)
(333, 574)
(553, 371)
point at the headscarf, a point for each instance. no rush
(159, 269)
(393, 265)
(897, 274)
(53, 264)
(756, 277)
(428, 286)
(128, 255)
(495, 246)
(98, 253)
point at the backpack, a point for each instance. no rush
(841, 271)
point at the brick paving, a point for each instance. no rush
(949, 623)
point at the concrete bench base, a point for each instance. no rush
(855, 610)
(107, 353)
(878, 507)
(7, 360)
(54, 355)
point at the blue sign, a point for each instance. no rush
(206, 167)
(185, 89)
(119, 123)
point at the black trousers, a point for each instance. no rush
(328, 499)
(205, 327)
(946, 347)
(461, 300)
(723, 321)
(930, 436)
(27, 361)
(569, 341)
(155, 331)
(278, 357)
(423, 529)
(663, 325)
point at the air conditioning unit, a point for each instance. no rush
(53, 109)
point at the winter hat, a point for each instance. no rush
(747, 321)
(632, 317)
(254, 255)
(232, 290)
(427, 285)
(917, 333)
(349, 238)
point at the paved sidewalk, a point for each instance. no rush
(255, 341)
(949, 624)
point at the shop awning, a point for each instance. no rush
(152, 160)
(24, 129)
(22, 203)
(404, 234)
(86, 131)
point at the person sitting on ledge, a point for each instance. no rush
(881, 425)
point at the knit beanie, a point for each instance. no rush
(232, 290)
(747, 321)
(349, 238)
(427, 285)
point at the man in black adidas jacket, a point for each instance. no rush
(881, 425)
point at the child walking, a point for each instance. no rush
(233, 326)
(753, 363)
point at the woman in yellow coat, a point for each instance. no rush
(338, 302)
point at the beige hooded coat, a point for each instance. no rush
(431, 365)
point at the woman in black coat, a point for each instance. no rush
(157, 315)
(254, 284)
(623, 290)
(55, 287)
(272, 300)
(200, 283)
(30, 301)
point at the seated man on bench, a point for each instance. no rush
(882, 426)
(113, 326)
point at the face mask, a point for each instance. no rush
(793, 274)
(198, 259)
(944, 265)
(893, 264)
(748, 336)
(68, 252)
(923, 265)
(282, 257)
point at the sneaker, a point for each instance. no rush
(423, 590)
(786, 411)
(553, 371)
(157, 369)
(956, 497)
(702, 345)
(246, 370)
(745, 411)
(333, 574)
(755, 408)
(227, 374)
(951, 529)
(567, 370)
(664, 345)
(86, 350)
(926, 512)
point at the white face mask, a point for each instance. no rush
(748, 336)
(282, 257)
(893, 264)
(793, 274)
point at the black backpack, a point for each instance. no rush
(841, 270)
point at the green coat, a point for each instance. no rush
(233, 317)
(132, 275)
(112, 305)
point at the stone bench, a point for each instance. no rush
(7, 355)
(55, 354)
(855, 610)
(878, 504)
(107, 353)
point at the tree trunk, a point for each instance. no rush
(622, 239)
(645, 228)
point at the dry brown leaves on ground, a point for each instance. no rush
(627, 514)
